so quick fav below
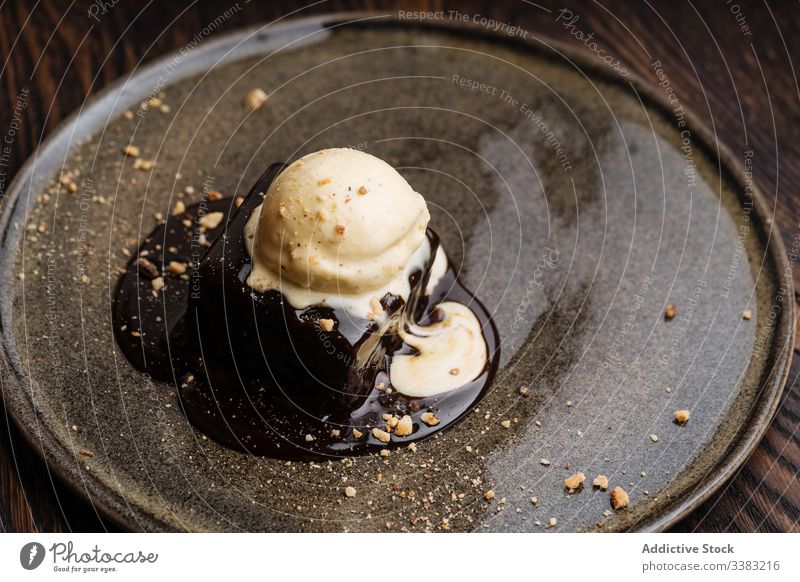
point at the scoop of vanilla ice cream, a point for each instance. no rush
(338, 221)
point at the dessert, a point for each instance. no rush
(319, 315)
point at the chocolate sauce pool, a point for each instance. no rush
(258, 375)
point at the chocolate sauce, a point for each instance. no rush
(260, 376)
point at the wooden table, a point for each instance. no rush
(734, 63)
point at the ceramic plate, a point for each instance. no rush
(578, 203)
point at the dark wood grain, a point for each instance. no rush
(742, 83)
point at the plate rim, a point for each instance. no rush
(112, 505)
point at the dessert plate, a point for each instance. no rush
(577, 204)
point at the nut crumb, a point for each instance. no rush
(157, 283)
(552, 522)
(619, 498)
(340, 229)
(179, 208)
(326, 324)
(214, 195)
(654, 438)
(489, 495)
(350, 491)
(505, 423)
(377, 308)
(177, 268)
(404, 427)
(572, 483)
(747, 314)
(601, 482)
(524, 391)
(681, 416)
(255, 99)
(147, 268)
(131, 151)
(362, 191)
(211, 220)
(381, 435)
(323, 181)
(544, 462)
(384, 452)
(357, 433)
(429, 418)
(670, 312)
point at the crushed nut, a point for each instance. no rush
(340, 229)
(669, 312)
(572, 483)
(357, 433)
(377, 308)
(489, 495)
(177, 268)
(682, 416)
(601, 482)
(505, 423)
(429, 418)
(213, 196)
(131, 151)
(654, 438)
(255, 99)
(524, 391)
(147, 268)
(619, 498)
(157, 283)
(747, 314)
(326, 324)
(350, 491)
(211, 220)
(381, 435)
(544, 462)
(362, 191)
(179, 208)
(404, 427)
(552, 522)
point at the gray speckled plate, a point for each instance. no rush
(572, 201)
